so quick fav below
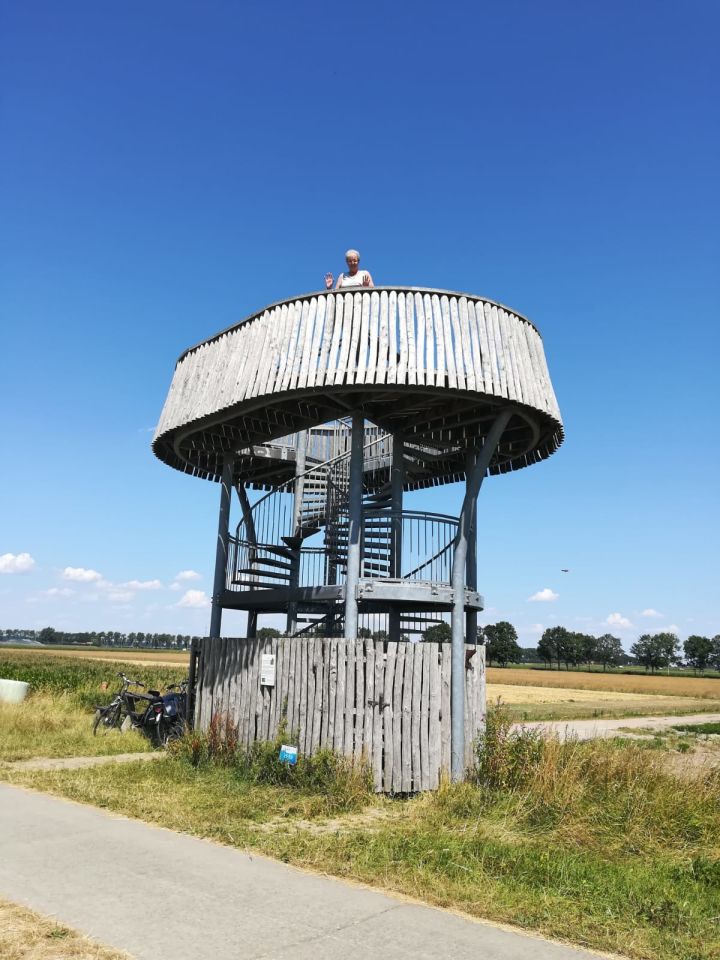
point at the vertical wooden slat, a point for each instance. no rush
(339, 738)
(378, 713)
(368, 705)
(451, 348)
(329, 738)
(388, 717)
(402, 367)
(314, 360)
(445, 709)
(360, 698)
(381, 366)
(397, 717)
(373, 338)
(425, 719)
(349, 697)
(423, 366)
(436, 335)
(302, 725)
(318, 659)
(416, 716)
(326, 363)
(346, 323)
(459, 317)
(393, 353)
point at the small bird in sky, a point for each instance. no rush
(564, 570)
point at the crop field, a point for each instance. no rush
(657, 684)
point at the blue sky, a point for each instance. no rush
(169, 168)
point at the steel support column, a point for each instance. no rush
(354, 526)
(221, 549)
(471, 618)
(300, 458)
(397, 477)
(457, 677)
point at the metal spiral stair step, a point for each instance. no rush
(272, 574)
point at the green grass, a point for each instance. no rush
(56, 718)
(593, 842)
(701, 728)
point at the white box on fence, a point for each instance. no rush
(267, 670)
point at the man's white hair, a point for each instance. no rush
(350, 253)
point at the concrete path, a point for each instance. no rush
(590, 729)
(156, 893)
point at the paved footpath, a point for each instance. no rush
(156, 893)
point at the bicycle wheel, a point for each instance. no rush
(106, 719)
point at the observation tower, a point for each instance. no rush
(321, 412)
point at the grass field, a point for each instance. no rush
(590, 842)
(26, 935)
(56, 718)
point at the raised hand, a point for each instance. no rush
(366, 279)
(328, 281)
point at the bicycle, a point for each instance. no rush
(122, 705)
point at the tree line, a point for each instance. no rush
(657, 651)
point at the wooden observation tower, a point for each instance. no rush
(320, 413)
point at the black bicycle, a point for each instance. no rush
(123, 704)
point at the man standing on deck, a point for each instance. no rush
(354, 277)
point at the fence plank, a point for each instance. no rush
(397, 717)
(445, 709)
(339, 739)
(349, 698)
(388, 718)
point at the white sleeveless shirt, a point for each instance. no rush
(345, 280)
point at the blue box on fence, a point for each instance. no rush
(288, 755)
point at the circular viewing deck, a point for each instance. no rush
(431, 365)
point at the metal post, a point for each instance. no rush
(457, 675)
(300, 458)
(397, 477)
(354, 526)
(471, 617)
(251, 629)
(221, 550)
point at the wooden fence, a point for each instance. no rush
(388, 703)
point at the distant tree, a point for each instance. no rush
(546, 648)
(557, 643)
(48, 635)
(501, 643)
(438, 633)
(529, 655)
(715, 652)
(698, 651)
(587, 645)
(380, 635)
(608, 650)
(268, 633)
(657, 650)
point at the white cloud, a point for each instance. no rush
(120, 596)
(81, 575)
(194, 598)
(142, 585)
(536, 628)
(649, 612)
(543, 596)
(188, 575)
(618, 620)
(671, 628)
(16, 563)
(58, 592)
(175, 586)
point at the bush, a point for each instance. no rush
(344, 783)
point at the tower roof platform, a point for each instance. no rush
(434, 366)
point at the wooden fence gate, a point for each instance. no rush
(386, 702)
